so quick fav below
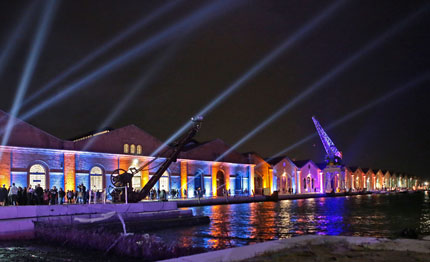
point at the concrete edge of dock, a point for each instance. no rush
(18, 221)
(250, 251)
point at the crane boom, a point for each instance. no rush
(330, 148)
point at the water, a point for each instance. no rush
(380, 215)
(243, 224)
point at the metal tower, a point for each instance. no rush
(334, 156)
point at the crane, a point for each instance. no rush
(121, 179)
(334, 156)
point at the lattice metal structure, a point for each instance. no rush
(333, 154)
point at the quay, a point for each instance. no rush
(259, 198)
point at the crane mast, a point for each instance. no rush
(334, 156)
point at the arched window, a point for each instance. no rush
(238, 185)
(139, 150)
(132, 149)
(37, 175)
(125, 148)
(164, 182)
(96, 178)
(198, 180)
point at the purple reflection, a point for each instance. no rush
(243, 224)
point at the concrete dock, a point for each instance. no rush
(18, 221)
(369, 243)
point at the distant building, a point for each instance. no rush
(309, 177)
(284, 174)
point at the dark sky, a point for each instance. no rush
(205, 61)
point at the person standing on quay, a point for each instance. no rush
(30, 195)
(3, 195)
(61, 195)
(70, 195)
(38, 195)
(53, 196)
(13, 194)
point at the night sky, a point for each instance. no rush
(199, 62)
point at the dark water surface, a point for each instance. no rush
(382, 215)
(242, 224)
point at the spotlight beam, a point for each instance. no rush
(140, 84)
(327, 77)
(38, 42)
(193, 21)
(19, 30)
(411, 84)
(286, 44)
(106, 47)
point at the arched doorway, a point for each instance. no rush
(96, 178)
(308, 183)
(164, 182)
(284, 183)
(220, 183)
(333, 184)
(258, 185)
(37, 176)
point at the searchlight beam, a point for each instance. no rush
(38, 42)
(102, 50)
(327, 77)
(209, 11)
(270, 57)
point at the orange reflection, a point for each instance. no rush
(220, 228)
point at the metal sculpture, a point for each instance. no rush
(121, 179)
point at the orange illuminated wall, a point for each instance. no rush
(5, 169)
(184, 174)
(124, 163)
(227, 178)
(144, 176)
(214, 185)
(69, 171)
(271, 180)
(265, 178)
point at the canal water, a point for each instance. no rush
(383, 215)
(380, 215)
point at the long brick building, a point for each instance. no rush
(32, 156)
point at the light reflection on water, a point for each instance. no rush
(367, 215)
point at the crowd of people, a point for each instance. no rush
(18, 196)
(163, 194)
(14, 195)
